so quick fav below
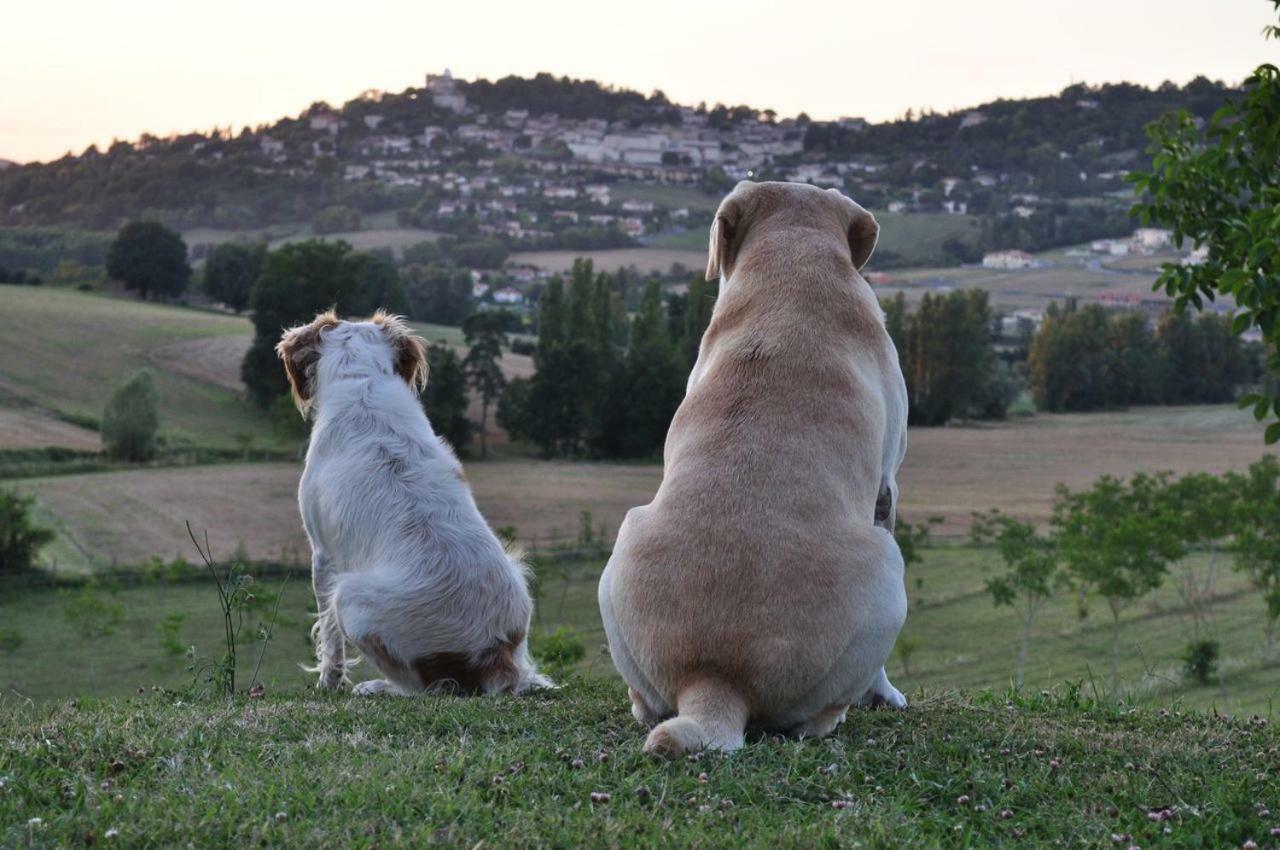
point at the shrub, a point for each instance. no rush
(131, 419)
(1200, 660)
(20, 538)
(11, 641)
(561, 649)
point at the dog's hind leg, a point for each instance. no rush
(326, 634)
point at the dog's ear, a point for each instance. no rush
(864, 232)
(299, 350)
(726, 233)
(409, 354)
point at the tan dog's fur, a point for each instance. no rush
(762, 585)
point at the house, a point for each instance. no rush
(507, 295)
(972, 119)
(478, 290)
(1008, 260)
(564, 215)
(443, 89)
(271, 147)
(326, 122)
(632, 226)
(1148, 239)
(372, 121)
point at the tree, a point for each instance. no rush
(1031, 571)
(150, 259)
(1255, 525)
(649, 385)
(486, 335)
(20, 538)
(231, 270)
(1201, 507)
(1219, 188)
(297, 282)
(131, 419)
(945, 352)
(445, 397)
(437, 294)
(1116, 539)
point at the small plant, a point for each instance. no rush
(560, 650)
(236, 598)
(905, 649)
(168, 630)
(132, 419)
(92, 616)
(11, 641)
(244, 442)
(20, 538)
(1200, 660)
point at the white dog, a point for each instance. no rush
(762, 585)
(402, 563)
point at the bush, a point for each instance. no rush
(1200, 660)
(20, 538)
(560, 650)
(335, 219)
(131, 419)
(11, 641)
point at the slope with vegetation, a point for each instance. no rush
(564, 768)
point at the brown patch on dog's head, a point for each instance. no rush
(299, 350)
(408, 349)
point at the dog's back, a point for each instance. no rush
(747, 580)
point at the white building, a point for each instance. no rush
(444, 92)
(507, 295)
(1008, 260)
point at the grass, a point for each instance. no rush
(962, 640)
(67, 350)
(564, 769)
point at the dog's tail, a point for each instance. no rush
(709, 715)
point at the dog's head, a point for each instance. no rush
(385, 344)
(756, 205)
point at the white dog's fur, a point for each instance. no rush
(762, 585)
(403, 564)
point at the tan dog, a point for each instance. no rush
(762, 585)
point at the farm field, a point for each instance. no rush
(949, 472)
(646, 260)
(66, 351)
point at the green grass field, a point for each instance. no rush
(961, 640)
(564, 769)
(65, 351)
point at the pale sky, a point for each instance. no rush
(75, 72)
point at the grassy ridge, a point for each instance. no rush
(564, 768)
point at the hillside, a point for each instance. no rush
(534, 163)
(564, 768)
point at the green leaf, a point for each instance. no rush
(1273, 433)
(1241, 323)
(1260, 409)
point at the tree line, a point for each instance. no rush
(605, 384)
(1090, 358)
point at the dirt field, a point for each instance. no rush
(645, 259)
(30, 429)
(130, 516)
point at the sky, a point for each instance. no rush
(76, 72)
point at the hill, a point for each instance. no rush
(564, 768)
(533, 162)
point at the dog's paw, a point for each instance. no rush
(886, 696)
(333, 680)
(374, 686)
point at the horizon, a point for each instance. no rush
(103, 73)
